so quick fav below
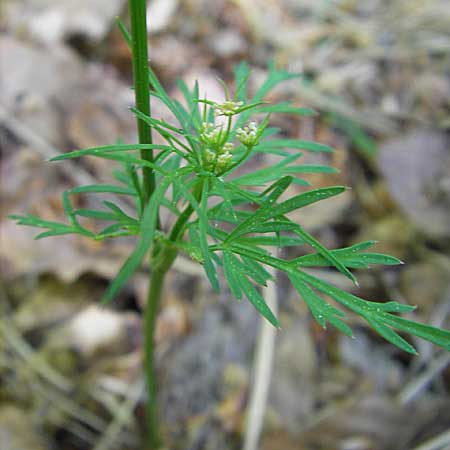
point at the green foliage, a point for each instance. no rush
(233, 234)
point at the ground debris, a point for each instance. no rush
(53, 22)
(416, 168)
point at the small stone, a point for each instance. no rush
(92, 331)
(53, 22)
(228, 43)
(355, 443)
(416, 168)
(160, 14)
(426, 283)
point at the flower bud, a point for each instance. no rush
(227, 148)
(248, 135)
(223, 161)
(210, 134)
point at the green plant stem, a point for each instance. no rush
(178, 228)
(157, 276)
(138, 16)
(239, 161)
(227, 131)
(151, 312)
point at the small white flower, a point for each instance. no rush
(223, 162)
(210, 133)
(209, 159)
(210, 156)
(227, 148)
(227, 108)
(248, 135)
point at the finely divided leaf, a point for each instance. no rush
(436, 335)
(203, 226)
(314, 243)
(270, 210)
(105, 149)
(241, 76)
(287, 108)
(379, 312)
(148, 228)
(102, 188)
(272, 241)
(321, 310)
(275, 227)
(349, 256)
(231, 274)
(390, 335)
(95, 214)
(257, 300)
(294, 144)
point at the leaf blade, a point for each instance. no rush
(148, 228)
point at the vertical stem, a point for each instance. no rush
(151, 311)
(138, 16)
(139, 47)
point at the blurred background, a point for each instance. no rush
(378, 71)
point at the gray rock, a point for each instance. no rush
(295, 369)
(39, 85)
(417, 170)
(51, 22)
(194, 368)
(227, 43)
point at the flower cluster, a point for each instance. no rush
(225, 157)
(218, 161)
(209, 159)
(227, 108)
(248, 135)
(211, 134)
